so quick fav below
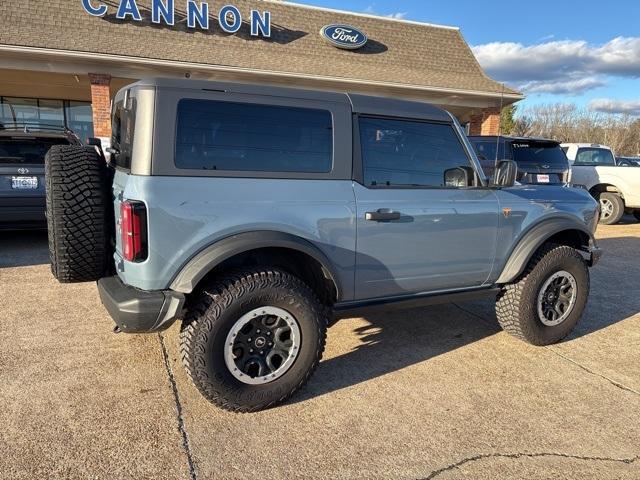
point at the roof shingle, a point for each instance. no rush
(398, 52)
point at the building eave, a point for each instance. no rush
(186, 67)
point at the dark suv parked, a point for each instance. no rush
(255, 213)
(23, 147)
(540, 161)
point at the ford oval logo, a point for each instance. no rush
(344, 36)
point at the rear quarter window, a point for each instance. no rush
(216, 135)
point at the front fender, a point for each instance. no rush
(213, 255)
(535, 237)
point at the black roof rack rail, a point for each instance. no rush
(28, 127)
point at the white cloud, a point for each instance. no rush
(569, 87)
(560, 66)
(609, 105)
(397, 15)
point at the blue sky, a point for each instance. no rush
(585, 52)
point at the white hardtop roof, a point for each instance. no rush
(585, 145)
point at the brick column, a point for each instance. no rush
(101, 105)
(487, 122)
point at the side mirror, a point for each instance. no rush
(459, 177)
(505, 174)
(94, 142)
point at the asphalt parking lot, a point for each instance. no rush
(438, 392)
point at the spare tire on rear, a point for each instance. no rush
(77, 201)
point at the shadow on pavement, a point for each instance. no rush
(23, 248)
(627, 220)
(396, 340)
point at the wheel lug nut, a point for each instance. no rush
(258, 331)
(261, 352)
(251, 350)
(270, 344)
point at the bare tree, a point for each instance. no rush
(568, 123)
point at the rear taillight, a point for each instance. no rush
(133, 222)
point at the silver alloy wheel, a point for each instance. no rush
(262, 345)
(606, 208)
(557, 298)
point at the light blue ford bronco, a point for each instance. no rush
(256, 214)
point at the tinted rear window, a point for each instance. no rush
(594, 156)
(214, 135)
(27, 150)
(539, 153)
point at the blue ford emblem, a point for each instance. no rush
(344, 36)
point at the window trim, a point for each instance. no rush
(164, 134)
(358, 159)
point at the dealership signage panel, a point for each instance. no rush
(197, 12)
(344, 36)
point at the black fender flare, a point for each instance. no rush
(533, 238)
(213, 255)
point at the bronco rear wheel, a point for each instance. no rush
(251, 339)
(548, 299)
(77, 200)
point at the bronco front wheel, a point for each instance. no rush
(252, 338)
(548, 299)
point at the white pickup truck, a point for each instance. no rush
(616, 187)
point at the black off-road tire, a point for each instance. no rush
(211, 316)
(618, 208)
(77, 200)
(516, 306)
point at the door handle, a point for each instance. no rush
(382, 215)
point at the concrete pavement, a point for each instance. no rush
(438, 392)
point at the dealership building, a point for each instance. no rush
(61, 61)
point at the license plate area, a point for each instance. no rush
(542, 178)
(24, 183)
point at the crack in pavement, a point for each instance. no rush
(515, 456)
(564, 357)
(181, 425)
(610, 380)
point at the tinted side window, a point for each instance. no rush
(486, 150)
(400, 152)
(216, 135)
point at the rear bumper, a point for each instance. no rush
(17, 212)
(139, 311)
